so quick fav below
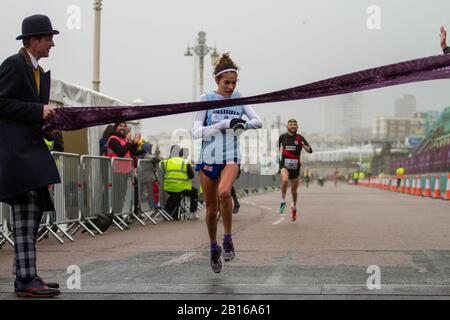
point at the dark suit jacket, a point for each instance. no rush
(25, 161)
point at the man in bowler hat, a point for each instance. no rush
(26, 165)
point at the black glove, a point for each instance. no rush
(238, 124)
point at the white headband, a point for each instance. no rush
(224, 71)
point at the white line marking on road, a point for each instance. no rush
(278, 221)
(179, 260)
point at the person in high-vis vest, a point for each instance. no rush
(355, 177)
(178, 174)
(56, 143)
(400, 172)
(361, 176)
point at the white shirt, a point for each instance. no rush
(34, 62)
(199, 131)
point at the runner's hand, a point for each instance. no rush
(235, 122)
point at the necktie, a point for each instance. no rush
(37, 78)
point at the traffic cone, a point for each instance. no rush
(419, 187)
(402, 186)
(427, 192)
(408, 187)
(437, 188)
(447, 192)
(414, 188)
(394, 187)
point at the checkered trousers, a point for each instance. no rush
(26, 217)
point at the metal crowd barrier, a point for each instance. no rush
(95, 189)
(246, 184)
(6, 224)
(251, 183)
(47, 226)
(92, 186)
(66, 194)
(147, 182)
(122, 192)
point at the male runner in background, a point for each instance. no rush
(291, 145)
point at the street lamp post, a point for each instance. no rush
(97, 24)
(201, 49)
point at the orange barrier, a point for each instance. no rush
(394, 185)
(447, 192)
(437, 189)
(414, 186)
(402, 186)
(427, 192)
(419, 187)
(408, 187)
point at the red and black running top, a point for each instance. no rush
(292, 146)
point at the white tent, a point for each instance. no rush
(63, 94)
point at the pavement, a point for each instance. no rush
(342, 235)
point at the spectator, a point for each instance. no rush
(121, 145)
(56, 143)
(109, 131)
(178, 174)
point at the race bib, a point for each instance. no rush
(291, 164)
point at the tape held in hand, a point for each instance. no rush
(424, 69)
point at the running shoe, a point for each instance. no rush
(294, 212)
(216, 260)
(228, 250)
(282, 207)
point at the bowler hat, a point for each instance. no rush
(36, 25)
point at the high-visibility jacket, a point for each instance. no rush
(361, 175)
(400, 173)
(175, 175)
(50, 144)
(120, 166)
(355, 175)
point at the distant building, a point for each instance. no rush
(429, 117)
(405, 107)
(394, 129)
(342, 113)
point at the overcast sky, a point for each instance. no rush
(277, 43)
